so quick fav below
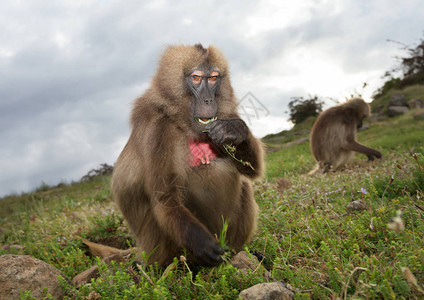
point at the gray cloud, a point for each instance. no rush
(70, 70)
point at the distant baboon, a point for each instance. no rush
(333, 136)
(189, 162)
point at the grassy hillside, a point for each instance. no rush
(307, 235)
(410, 92)
(286, 136)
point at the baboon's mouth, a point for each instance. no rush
(205, 121)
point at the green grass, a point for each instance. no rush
(308, 238)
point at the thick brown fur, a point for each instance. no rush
(333, 136)
(169, 205)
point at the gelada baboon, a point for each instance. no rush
(178, 176)
(333, 136)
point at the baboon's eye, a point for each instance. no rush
(212, 79)
(196, 79)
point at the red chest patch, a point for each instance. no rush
(201, 153)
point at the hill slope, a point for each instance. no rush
(305, 231)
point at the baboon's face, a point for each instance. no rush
(203, 84)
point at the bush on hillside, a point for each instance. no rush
(301, 109)
(411, 68)
(104, 169)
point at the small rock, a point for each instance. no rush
(245, 262)
(393, 111)
(21, 273)
(357, 205)
(265, 291)
(416, 103)
(398, 100)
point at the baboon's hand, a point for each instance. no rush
(375, 154)
(204, 248)
(208, 254)
(233, 131)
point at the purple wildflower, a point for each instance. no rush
(363, 191)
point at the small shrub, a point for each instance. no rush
(301, 109)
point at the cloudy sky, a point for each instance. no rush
(70, 69)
